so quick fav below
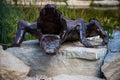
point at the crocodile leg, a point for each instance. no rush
(23, 27)
(94, 25)
(81, 27)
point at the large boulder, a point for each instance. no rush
(74, 77)
(11, 68)
(73, 58)
(64, 77)
(111, 66)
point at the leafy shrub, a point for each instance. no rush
(8, 20)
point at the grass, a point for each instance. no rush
(10, 15)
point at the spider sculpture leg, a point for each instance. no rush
(94, 25)
(24, 27)
(81, 28)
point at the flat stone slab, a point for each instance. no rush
(77, 50)
(72, 49)
(73, 58)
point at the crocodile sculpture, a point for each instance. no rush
(52, 29)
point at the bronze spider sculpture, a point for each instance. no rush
(52, 29)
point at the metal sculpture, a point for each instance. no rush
(52, 29)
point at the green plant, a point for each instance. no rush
(8, 18)
(59, 0)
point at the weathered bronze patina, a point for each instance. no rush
(52, 29)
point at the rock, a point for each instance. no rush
(74, 77)
(64, 77)
(11, 68)
(76, 50)
(116, 34)
(111, 66)
(72, 58)
(114, 45)
(38, 77)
